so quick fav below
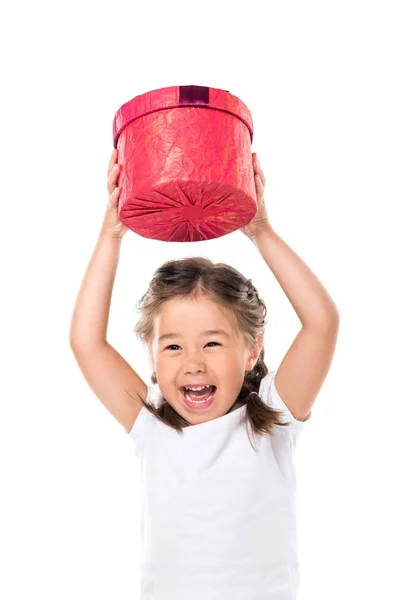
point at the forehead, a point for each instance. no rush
(191, 315)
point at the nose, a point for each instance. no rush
(194, 366)
(192, 371)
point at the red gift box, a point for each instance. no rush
(186, 171)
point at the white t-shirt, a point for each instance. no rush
(218, 517)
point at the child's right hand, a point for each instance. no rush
(112, 225)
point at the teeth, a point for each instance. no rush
(196, 401)
(197, 389)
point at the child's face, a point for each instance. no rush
(190, 358)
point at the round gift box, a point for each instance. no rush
(186, 171)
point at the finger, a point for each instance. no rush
(260, 185)
(257, 169)
(113, 196)
(256, 161)
(113, 178)
(112, 161)
(261, 176)
(256, 164)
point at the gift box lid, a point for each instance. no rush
(175, 97)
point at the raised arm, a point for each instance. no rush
(110, 377)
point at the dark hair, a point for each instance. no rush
(224, 285)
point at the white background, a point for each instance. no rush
(321, 80)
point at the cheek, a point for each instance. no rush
(164, 362)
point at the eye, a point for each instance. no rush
(175, 345)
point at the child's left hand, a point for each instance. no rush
(260, 219)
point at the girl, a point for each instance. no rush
(216, 431)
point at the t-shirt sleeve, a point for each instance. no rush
(270, 395)
(141, 428)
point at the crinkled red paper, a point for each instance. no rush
(186, 171)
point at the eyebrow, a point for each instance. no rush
(168, 336)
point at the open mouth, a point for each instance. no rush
(198, 399)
